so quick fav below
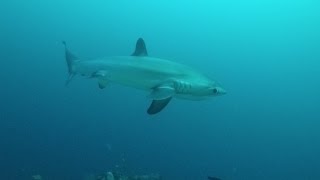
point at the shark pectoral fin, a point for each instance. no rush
(141, 49)
(162, 92)
(103, 83)
(158, 105)
(160, 96)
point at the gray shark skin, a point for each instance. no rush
(163, 79)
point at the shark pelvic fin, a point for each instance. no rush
(99, 74)
(103, 83)
(141, 49)
(158, 105)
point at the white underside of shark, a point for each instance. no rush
(163, 79)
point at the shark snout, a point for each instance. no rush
(221, 91)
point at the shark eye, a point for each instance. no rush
(214, 90)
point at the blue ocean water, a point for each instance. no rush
(264, 53)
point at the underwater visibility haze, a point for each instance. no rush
(264, 54)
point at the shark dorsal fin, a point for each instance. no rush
(141, 49)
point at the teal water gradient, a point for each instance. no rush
(265, 53)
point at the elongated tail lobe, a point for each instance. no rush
(70, 59)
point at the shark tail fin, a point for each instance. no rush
(70, 59)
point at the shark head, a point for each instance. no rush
(207, 88)
(200, 90)
(209, 91)
(217, 91)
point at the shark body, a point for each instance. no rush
(163, 79)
